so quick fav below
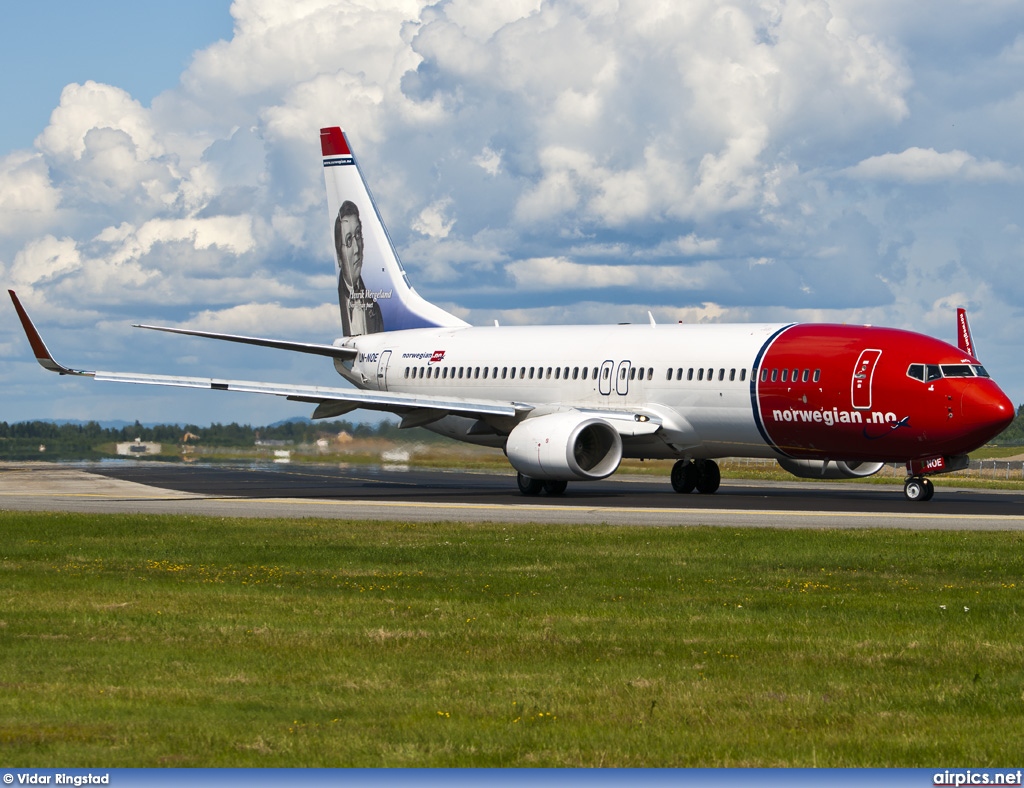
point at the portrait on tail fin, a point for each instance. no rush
(360, 312)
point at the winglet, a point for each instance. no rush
(43, 356)
(964, 341)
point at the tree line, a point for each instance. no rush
(22, 440)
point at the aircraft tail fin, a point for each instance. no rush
(374, 293)
(964, 340)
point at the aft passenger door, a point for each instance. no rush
(622, 378)
(382, 370)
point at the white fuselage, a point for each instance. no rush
(695, 378)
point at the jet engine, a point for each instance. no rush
(830, 469)
(566, 446)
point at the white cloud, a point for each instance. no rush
(94, 106)
(923, 165)
(45, 260)
(433, 221)
(552, 273)
(28, 200)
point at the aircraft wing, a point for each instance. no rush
(415, 409)
(330, 401)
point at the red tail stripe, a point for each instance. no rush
(332, 142)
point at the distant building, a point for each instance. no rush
(138, 447)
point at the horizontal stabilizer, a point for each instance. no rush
(331, 351)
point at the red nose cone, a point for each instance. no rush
(987, 410)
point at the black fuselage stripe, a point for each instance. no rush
(755, 379)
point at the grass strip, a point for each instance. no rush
(188, 641)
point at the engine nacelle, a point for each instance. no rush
(830, 469)
(564, 446)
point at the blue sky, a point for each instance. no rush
(536, 162)
(140, 46)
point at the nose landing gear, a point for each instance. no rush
(918, 488)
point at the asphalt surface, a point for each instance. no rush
(423, 494)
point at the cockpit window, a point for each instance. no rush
(929, 372)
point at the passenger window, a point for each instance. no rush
(669, 375)
(743, 375)
(775, 375)
(689, 374)
(721, 374)
(504, 373)
(764, 375)
(700, 374)
(531, 372)
(485, 373)
(650, 373)
(806, 376)
(445, 373)
(732, 375)
(522, 373)
(558, 371)
(407, 372)
(632, 373)
(785, 372)
(575, 373)
(817, 375)
(584, 373)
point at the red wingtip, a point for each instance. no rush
(333, 143)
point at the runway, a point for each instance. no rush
(426, 495)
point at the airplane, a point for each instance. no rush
(568, 403)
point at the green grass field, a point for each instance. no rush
(147, 641)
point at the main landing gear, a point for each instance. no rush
(530, 486)
(918, 488)
(702, 476)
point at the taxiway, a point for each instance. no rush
(427, 495)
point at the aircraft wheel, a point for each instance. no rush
(684, 476)
(555, 488)
(929, 489)
(528, 486)
(709, 477)
(915, 489)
